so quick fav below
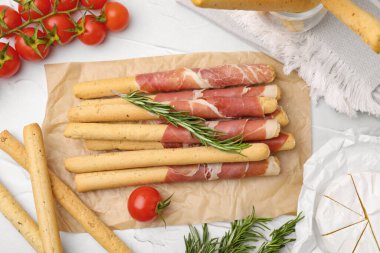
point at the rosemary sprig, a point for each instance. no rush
(279, 236)
(195, 244)
(236, 240)
(195, 125)
(247, 230)
(240, 237)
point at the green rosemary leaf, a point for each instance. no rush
(195, 244)
(195, 125)
(242, 234)
(279, 236)
(238, 239)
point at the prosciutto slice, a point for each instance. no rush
(243, 91)
(205, 78)
(251, 130)
(221, 107)
(210, 172)
(277, 143)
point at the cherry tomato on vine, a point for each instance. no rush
(9, 61)
(91, 32)
(9, 19)
(64, 5)
(31, 45)
(144, 204)
(93, 4)
(34, 8)
(117, 16)
(61, 26)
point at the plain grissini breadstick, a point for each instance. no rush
(68, 199)
(361, 22)
(175, 174)
(108, 145)
(285, 141)
(210, 108)
(250, 130)
(20, 219)
(272, 91)
(42, 190)
(163, 157)
(179, 79)
(259, 5)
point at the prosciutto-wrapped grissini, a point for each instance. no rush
(272, 91)
(163, 157)
(179, 79)
(175, 174)
(250, 130)
(285, 141)
(208, 108)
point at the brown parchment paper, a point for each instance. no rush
(192, 203)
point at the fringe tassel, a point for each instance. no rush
(322, 69)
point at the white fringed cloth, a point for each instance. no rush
(334, 62)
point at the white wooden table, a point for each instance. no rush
(157, 27)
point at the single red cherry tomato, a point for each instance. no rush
(27, 47)
(117, 16)
(64, 5)
(28, 8)
(93, 4)
(9, 61)
(63, 25)
(91, 32)
(144, 204)
(11, 18)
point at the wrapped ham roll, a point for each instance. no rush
(251, 130)
(179, 79)
(175, 174)
(208, 108)
(285, 141)
(163, 157)
(272, 91)
(280, 115)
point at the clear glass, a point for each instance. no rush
(294, 22)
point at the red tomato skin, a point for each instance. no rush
(142, 203)
(117, 16)
(64, 5)
(12, 19)
(95, 32)
(63, 23)
(25, 51)
(11, 67)
(43, 5)
(93, 4)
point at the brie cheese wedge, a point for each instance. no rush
(367, 242)
(348, 214)
(343, 191)
(332, 216)
(344, 240)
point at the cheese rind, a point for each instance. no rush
(332, 216)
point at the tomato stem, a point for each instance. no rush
(4, 57)
(161, 206)
(39, 20)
